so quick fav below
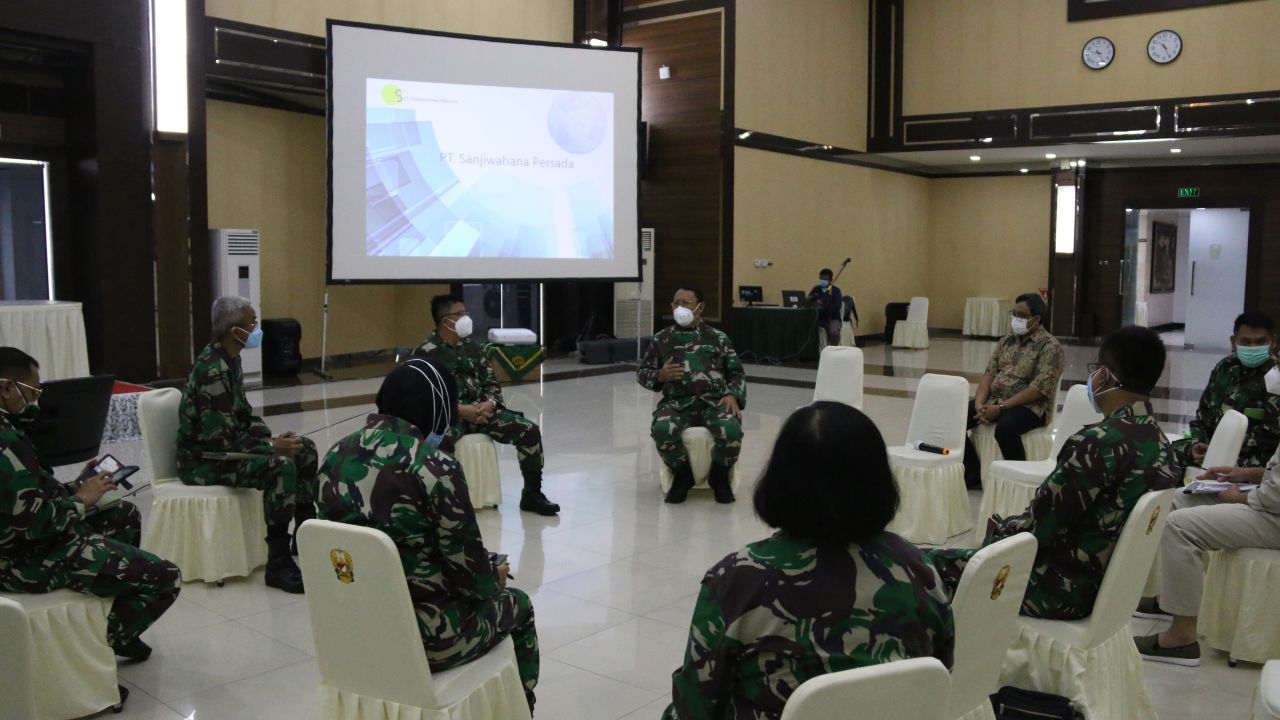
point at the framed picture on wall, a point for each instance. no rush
(1164, 257)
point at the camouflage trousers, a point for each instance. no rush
(669, 422)
(1041, 600)
(511, 428)
(107, 563)
(470, 637)
(284, 481)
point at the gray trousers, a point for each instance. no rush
(1199, 523)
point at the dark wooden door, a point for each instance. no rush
(680, 191)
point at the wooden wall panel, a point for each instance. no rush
(680, 195)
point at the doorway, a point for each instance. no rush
(1185, 272)
(26, 245)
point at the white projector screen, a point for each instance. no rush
(457, 158)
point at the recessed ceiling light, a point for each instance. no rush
(975, 158)
(1074, 163)
(1022, 170)
(1175, 151)
(1082, 162)
(1049, 156)
(826, 147)
(744, 134)
(1128, 210)
(986, 140)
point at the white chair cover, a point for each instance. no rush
(1094, 661)
(700, 444)
(1266, 701)
(210, 533)
(914, 689)
(934, 503)
(914, 331)
(1036, 443)
(1009, 485)
(1237, 613)
(478, 456)
(986, 606)
(67, 666)
(372, 663)
(839, 376)
(16, 662)
(1224, 446)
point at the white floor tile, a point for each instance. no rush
(566, 692)
(238, 597)
(287, 692)
(640, 652)
(628, 586)
(562, 619)
(290, 624)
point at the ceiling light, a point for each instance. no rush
(985, 140)
(1128, 210)
(597, 42)
(1074, 163)
(744, 134)
(1175, 151)
(826, 147)
(975, 158)
(1248, 101)
(1022, 170)
(1049, 156)
(1082, 163)
(169, 65)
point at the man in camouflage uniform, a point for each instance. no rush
(703, 384)
(480, 405)
(53, 536)
(1078, 512)
(418, 497)
(1237, 384)
(216, 418)
(1016, 393)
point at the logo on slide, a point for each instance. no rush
(391, 94)
(577, 122)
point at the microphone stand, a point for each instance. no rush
(843, 265)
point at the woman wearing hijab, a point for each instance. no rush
(419, 499)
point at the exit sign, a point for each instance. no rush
(1188, 192)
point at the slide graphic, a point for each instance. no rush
(486, 171)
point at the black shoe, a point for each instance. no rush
(719, 482)
(124, 697)
(681, 484)
(535, 502)
(134, 650)
(282, 571)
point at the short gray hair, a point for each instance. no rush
(227, 312)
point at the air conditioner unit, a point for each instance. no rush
(633, 302)
(236, 272)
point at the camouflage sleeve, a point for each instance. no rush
(1210, 409)
(488, 379)
(463, 557)
(1063, 497)
(215, 405)
(340, 499)
(1049, 370)
(734, 374)
(27, 509)
(940, 621)
(650, 364)
(701, 686)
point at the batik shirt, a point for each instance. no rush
(1079, 510)
(1031, 360)
(784, 610)
(1232, 386)
(711, 367)
(419, 499)
(214, 415)
(470, 366)
(40, 520)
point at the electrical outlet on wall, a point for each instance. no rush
(762, 263)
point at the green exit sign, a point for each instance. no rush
(1188, 192)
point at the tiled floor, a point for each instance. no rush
(613, 578)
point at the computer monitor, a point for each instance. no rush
(73, 414)
(792, 298)
(750, 293)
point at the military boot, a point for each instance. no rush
(302, 512)
(681, 484)
(531, 498)
(282, 571)
(719, 482)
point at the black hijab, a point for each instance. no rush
(421, 392)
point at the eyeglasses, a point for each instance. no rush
(1092, 368)
(1023, 316)
(684, 303)
(464, 313)
(36, 392)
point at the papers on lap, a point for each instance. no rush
(1213, 487)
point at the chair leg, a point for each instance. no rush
(1232, 662)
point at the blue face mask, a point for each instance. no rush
(1252, 357)
(254, 340)
(433, 440)
(823, 282)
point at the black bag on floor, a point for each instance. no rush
(1011, 703)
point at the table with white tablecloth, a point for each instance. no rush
(50, 331)
(986, 316)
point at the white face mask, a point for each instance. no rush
(1272, 379)
(1019, 325)
(462, 326)
(684, 316)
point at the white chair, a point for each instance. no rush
(1010, 484)
(1235, 612)
(914, 689)
(372, 662)
(1266, 701)
(985, 607)
(209, 532)
(839, 376)
(1094, 661)
(1037, 444)
(934, 503)
(478, 455)
(700, 444)
(1224, 446)
(55, 663)
(914, 331)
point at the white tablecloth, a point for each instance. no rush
(52, 332)
(986, 316)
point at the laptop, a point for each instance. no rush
(793, 298)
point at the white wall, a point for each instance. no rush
(1219, 276)
(1171, 307)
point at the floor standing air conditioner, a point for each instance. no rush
(236, 272)
(633, 302)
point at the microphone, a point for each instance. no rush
(926, 447)
(846, 262)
